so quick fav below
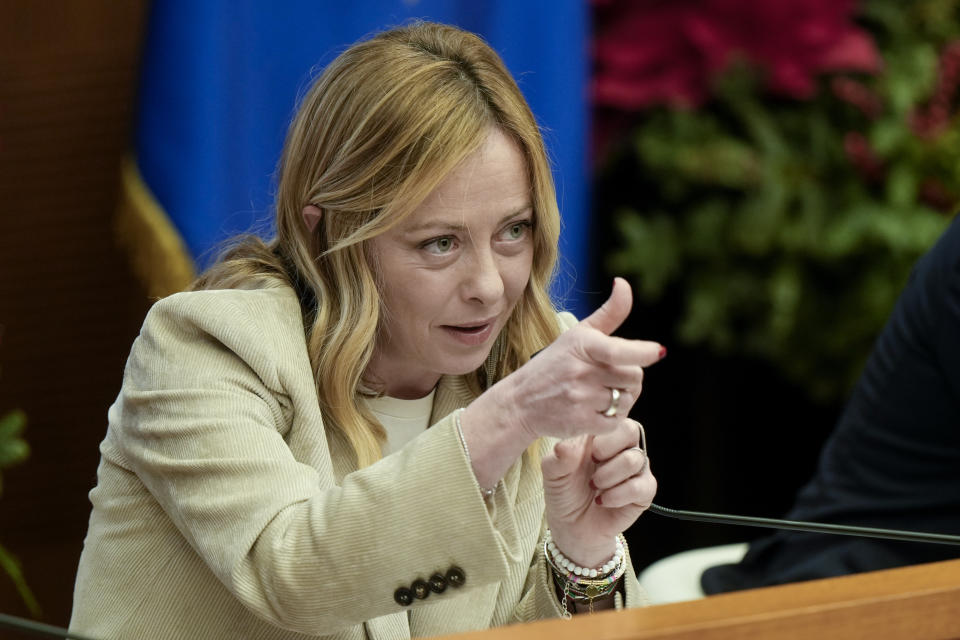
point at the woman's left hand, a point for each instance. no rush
(594, 488)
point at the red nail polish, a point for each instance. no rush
(663, 352)
(592, 485)
(599, 500)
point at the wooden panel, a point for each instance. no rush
(69, 307)
(911, 603)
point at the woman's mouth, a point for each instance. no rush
(470, 334)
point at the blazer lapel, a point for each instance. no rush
(461, 612)
(452, 393)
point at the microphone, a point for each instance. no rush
(813, 527)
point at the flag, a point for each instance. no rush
(220, 82)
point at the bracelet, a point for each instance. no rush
(486, 493)
(586, 591)
(580, 584)
(588, 594)
(570, 570)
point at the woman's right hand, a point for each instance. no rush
(565, 390)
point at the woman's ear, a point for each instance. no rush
(311, 216)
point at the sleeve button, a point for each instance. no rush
(403, 596)
(456, 577)
(420, 589)
(438, 584)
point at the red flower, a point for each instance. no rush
(863, 157)
(650, 52)
(933, 119)
(859, 95)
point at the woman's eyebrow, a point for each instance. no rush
(443, 225)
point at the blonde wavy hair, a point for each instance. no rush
(375, 134)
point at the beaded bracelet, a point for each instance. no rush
(586, 590)
(580, 584)
(569, 569)
(486, 493)
(588, 595)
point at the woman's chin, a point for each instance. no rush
(463, 366)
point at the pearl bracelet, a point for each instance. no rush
(582, 585)
(486, 493)
(564, 565)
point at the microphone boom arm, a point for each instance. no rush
(813, 527)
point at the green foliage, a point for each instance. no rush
(784, 242)
(13, 449)
(10, 564)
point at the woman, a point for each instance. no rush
(267, 471)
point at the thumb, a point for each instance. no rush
(614, 311)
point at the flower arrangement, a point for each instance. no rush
(788, 163)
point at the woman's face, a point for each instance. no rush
(453, 271)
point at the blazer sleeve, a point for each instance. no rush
(201, 421)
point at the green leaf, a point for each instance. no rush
(13, 451)
(901, 185)
(910, 77)
(12, 424)
(706, 318)
(784, 289)
(653, 251)
(12, 448)
(888, 135)
(705, 229)
(11, 566)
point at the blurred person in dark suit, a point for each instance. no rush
(893, 460)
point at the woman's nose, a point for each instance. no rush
(483, 281)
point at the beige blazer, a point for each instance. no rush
(223, 509)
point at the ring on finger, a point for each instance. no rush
(642, 447)
(643, 467)
(614, 403)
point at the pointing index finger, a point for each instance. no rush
(611, 350)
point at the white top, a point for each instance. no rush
(403, 420)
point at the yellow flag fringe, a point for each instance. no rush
(156, 251)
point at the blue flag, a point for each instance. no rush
(220, 83)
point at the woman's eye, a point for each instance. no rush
(517, 230)
(440, 246)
